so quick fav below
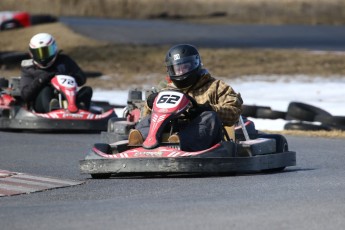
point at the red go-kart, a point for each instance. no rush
(266, 152)
(17, 115)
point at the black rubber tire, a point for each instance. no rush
(268, 113)
(42, 18)
(92, 74)
(281, 142)
(103, 147)
(10, 24)
(13, 58)
(3, 83)
(331, 120)
(335, 122)
(101, 176)
(281, 146)
(303, 112)
(305, 126)
(251, 110)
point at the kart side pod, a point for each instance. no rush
(257, 146)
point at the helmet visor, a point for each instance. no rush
(180, 66)
(43, 53)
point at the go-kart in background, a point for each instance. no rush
(263, 91)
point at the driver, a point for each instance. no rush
(37, 72)
(218, 103)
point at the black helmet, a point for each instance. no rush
(183, 65)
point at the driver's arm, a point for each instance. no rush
(32, 81)
(74, 70)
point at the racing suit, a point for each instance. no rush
(219, 105)
(35, 87)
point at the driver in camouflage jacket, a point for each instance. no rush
(218, 103)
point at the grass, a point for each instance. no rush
(134, 65)
(327, 134)
(224, 11)
(129, 66)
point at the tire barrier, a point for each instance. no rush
(42, 18)
(306, 126)
(268, 113)
(303, 112)
(335, 122)
(13, 58)
(251, 110)
(304, 116)
(92, 74)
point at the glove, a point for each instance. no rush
(44, 77)
(197, 110)
(150, 99)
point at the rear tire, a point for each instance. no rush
(101, 176)
(3, 83)
(281, 142)
(273, 170)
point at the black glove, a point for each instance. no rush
(44, 77)
(198, 109)
(150, 99)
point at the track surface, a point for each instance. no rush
(307, 196)
(159, 32)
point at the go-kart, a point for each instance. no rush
(15, 114)
(265, 152)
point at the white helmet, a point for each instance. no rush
(43, 50)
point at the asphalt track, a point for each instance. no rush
(160, 32)
(307, 196)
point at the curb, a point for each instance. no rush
(5, 173)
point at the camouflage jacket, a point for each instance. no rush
(220, 96)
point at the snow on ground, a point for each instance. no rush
(325, 93)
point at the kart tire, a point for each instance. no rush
(3, 83)
(42, 18)
(281, 142)
(303, 112)
(334, 121)
(273, 170)
(251, 110)
(268, 113)
(103, 147)
(101, 176)
(10, 24)
(13, 58)
(281, 146)
(305, 127)
(92, 74)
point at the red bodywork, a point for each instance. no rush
(22, 17)
(67, 86)
(167, 105)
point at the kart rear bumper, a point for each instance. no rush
(45, 124)
(207, 165)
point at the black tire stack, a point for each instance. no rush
(302, 116)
